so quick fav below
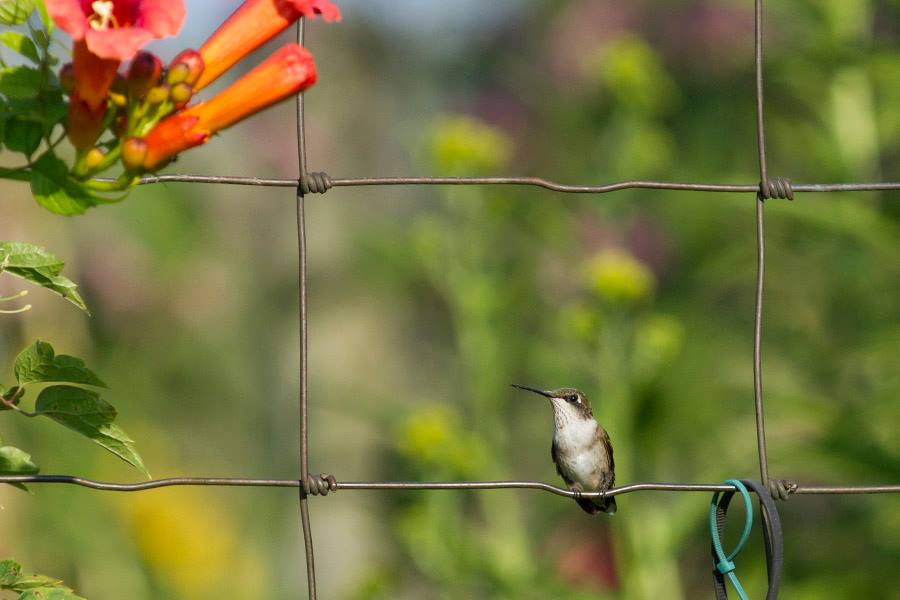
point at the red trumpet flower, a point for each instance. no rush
(107, 32)
(254, 23)
(116, 29)
(289, 71)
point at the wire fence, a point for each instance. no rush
(319, 183)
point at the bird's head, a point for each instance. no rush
(568, 403)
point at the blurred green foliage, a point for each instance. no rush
(427, 303)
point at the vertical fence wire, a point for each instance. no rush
(761, 249)
(304, 339)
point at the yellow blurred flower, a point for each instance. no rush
(634, 74)
(188, 542)
(434, 438)
(426, 434)
(618, 276)
(461, 145)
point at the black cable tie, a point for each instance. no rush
(772, 536)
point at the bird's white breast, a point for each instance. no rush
(580, 457)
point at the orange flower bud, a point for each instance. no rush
(180, 94)
(192, 61)
(93, 158)
(134, 151)
(143, 74)
(288, 71)
(177, 74)
(158, 95)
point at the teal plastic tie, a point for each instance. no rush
(725, 565)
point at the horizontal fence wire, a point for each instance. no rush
(516, 181)
(311, 183)
(793, 487)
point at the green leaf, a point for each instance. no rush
(20, 82)
(30, 582)
(54, 593)
(53, 109)
(40, 364)
(38, 266)
(15, 12)
(85, 412)
(56, 191)
(16, 462)
(46, 21)
(32, 586)
(20, 43)
(10, 571)
(23, 135)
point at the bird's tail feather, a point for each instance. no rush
(592, 507)
(608, 505)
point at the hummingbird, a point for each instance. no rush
(581, 449)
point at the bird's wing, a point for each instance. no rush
(607, 444)
(553, 454)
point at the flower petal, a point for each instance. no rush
(253, 24)
(69, 16)
(162, 18)
(313, 8)
(117, 44)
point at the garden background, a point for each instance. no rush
(427, 302)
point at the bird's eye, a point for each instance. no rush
(572, 398)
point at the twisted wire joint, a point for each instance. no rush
(779, 187)
(315, 183)
(781, 489)
(319, 486)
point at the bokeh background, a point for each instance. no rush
(426, 303)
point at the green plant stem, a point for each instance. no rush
(19, 173)
(11, 404)
(126, 181)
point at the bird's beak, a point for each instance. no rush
(532, 389)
